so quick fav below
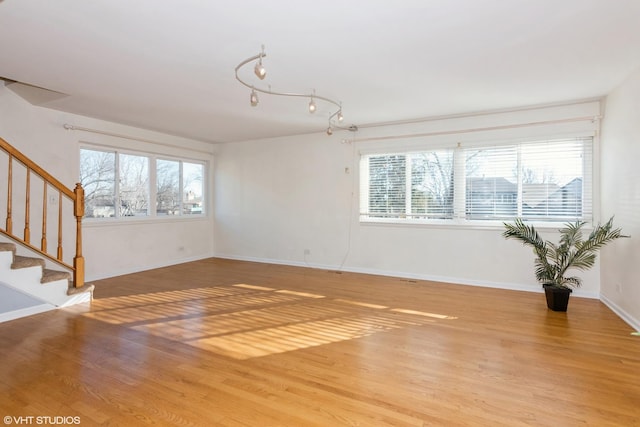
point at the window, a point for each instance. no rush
(539, 180)
(172, 176)
(411, 185)
(178, 188)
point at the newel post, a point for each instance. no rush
(78, 260)
(9, 226)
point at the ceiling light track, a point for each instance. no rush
(260, 71)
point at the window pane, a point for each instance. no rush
(97, 176)
(387, 186)
(552, 175)
(491, 183)
(168, 187)
(536, 181)
(432, 184)
(192, 182)
(134, 185)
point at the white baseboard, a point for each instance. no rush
(634, 323)
(24, 312)
(404, 275)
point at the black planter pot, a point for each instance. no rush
(557, 298)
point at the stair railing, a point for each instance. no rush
(76, 196)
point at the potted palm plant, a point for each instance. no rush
(554, 260)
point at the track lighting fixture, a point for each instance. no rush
(261, 73)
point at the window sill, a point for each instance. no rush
(111, 222)
(460, 224)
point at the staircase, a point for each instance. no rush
(28, 286)
(28, 283)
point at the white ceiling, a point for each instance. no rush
(169, 65)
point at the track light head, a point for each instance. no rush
(329, 131)
(312, 106)
(340, 116)
(254, 98)
(259, 69)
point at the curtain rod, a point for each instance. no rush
(481, 129)
(132, 138)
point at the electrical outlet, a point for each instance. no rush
(307, 252)
(619, 288)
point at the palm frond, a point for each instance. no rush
(583, 260)
(600, 236)
(570, 235)
(527, 234)
(572, 281)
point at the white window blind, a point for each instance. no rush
(548, 180)
(416, 185)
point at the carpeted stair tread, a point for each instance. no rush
(6, 247)
(53, 275)
(73, 290)
(25, 261)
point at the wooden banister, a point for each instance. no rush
(75, 196)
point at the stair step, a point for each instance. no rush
(6, 247)
(25, 261)
(48, 275)
(53, 275)
(86, 288)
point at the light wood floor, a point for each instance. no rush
(219, 342)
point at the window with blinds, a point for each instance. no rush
(539, 180)
(409, 185)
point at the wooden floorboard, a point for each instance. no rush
(228, 343)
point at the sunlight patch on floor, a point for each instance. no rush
(264, 342)
(254, 287)
(301, 294)
(362, 304)
(243, 321)
(422, 313)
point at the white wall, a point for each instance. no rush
(276, 198)
(109, 250)
(620, 279)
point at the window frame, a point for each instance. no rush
(459, 202)
(152, 215)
